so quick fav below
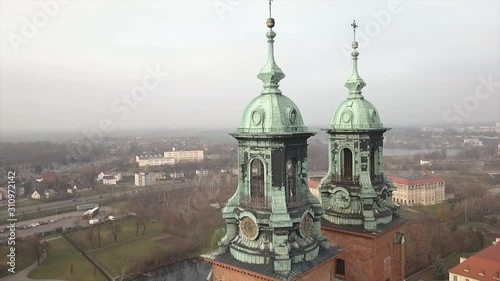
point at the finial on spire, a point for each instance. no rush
(271, 74)
(355, 83)
(354, 26)
(270, 20)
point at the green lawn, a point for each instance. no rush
(23, 260)
(432, 209)
(128, 231)
(58, 264)
(114, 258)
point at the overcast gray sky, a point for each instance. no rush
(68, 66)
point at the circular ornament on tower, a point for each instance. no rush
(306, 226)
(249, 228)
(341, 199)
(346, 116)
(256, 117)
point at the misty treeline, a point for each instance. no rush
(43, 154)
(430, 237)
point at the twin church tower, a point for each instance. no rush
(275, 228)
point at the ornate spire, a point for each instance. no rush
(271, 74)
(355, 83)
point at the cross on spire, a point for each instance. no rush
(354, 26)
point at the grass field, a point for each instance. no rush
(126, 254)
(58, 264)
(127, 231)
(22, 260)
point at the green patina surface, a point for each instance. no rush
(272, 132)
(355, 191)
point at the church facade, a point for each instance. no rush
(275, 228)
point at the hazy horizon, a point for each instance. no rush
(74, 70)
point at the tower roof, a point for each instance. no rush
(271, 112)
(356, 113)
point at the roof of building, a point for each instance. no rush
(485, 265)
(268, 269)
(152, 157)
(312, 184)
(415, 179)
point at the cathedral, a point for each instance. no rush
(275, 228)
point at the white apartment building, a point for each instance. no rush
(185, 156)
(144, 179)
(418, 190)
(201, 173)
(154, 160)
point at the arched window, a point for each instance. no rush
(257, 179)
(292, 178)
(372, 162)
(346, 164)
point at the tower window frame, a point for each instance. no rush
(257, 180)
(292, 178)
(346, 164)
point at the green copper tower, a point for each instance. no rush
(355, 192)
(273, 221)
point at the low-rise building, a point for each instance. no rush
(35, 195)
(177, 175)
(201, 173)
(50, 193)
(154, 160)
(101, 175)
(482, 266)
(185, 156)
(109, 180)
(144, 179)
(418, 190)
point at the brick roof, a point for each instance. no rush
(416, 180)
(482, 266)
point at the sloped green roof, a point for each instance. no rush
(272, 113)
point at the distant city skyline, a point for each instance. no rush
(194, 64)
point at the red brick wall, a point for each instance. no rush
(222, 272)
(324, 272)
(369, 258)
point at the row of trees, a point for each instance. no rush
(432, 237)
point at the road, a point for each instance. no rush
(91, 199)
(67, 219)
